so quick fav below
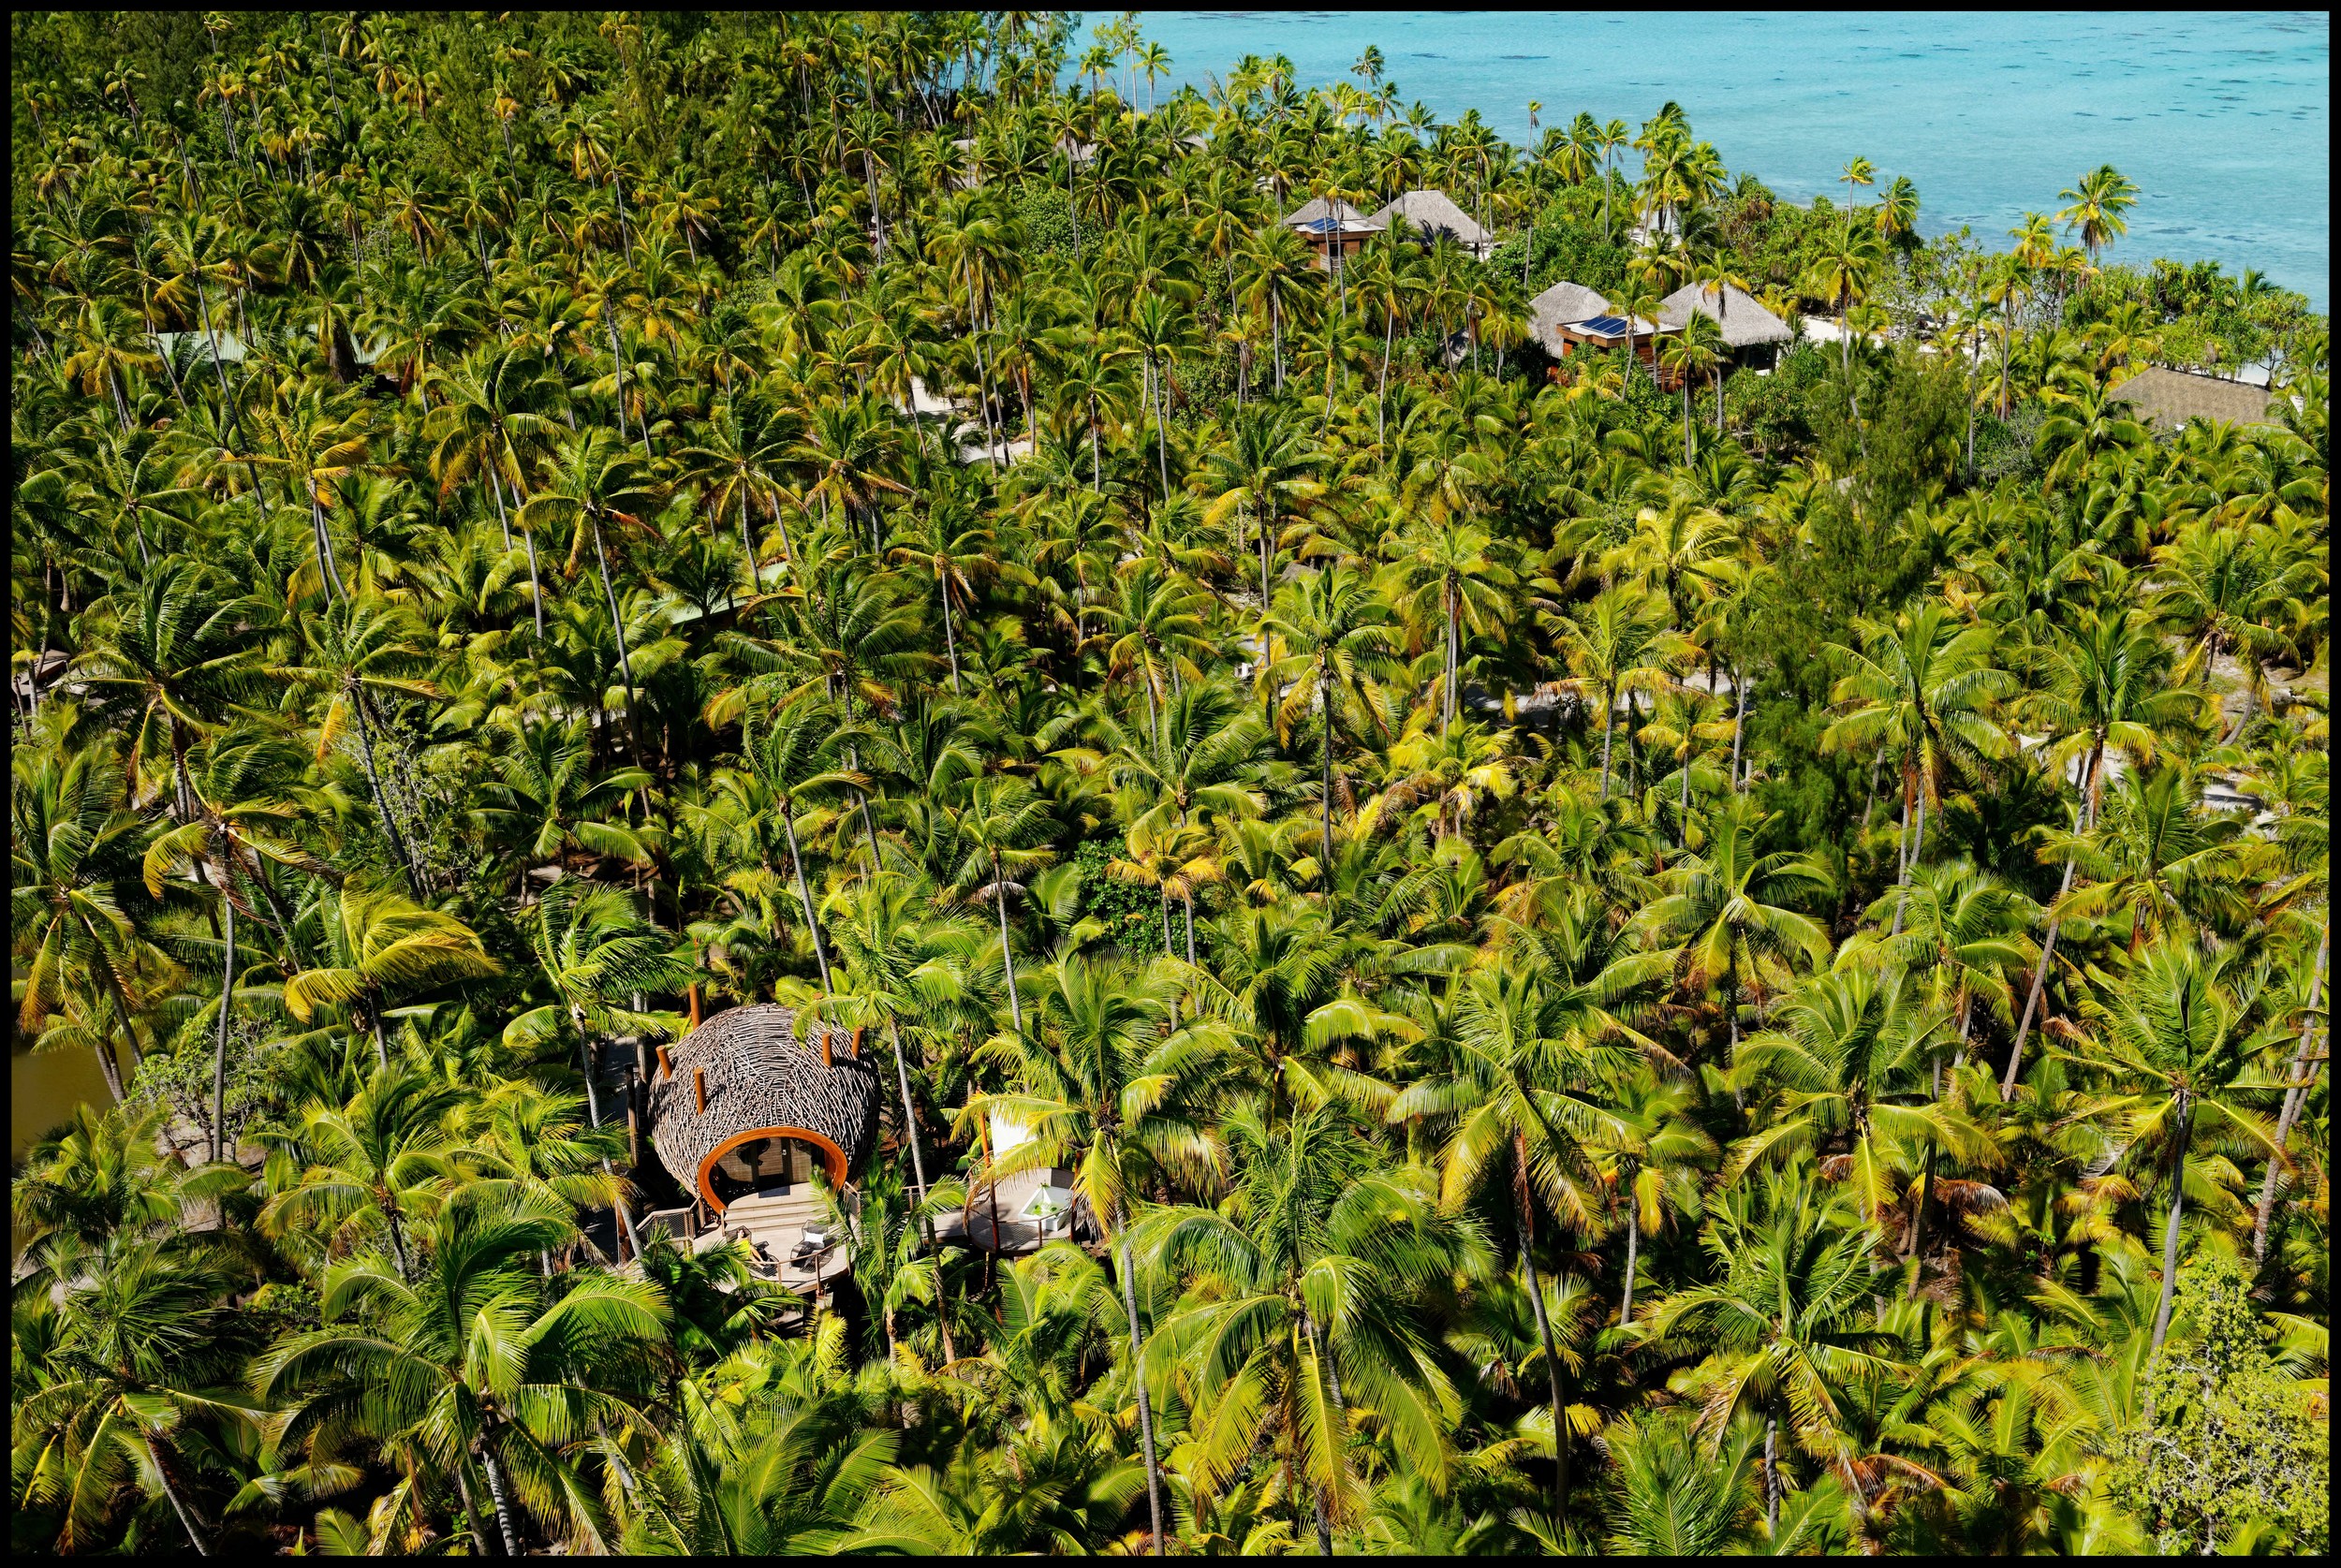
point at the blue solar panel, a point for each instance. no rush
(1606, 326)
(1322, 226)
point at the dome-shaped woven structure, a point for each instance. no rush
(749, 1075)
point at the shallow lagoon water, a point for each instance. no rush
(2224, 122)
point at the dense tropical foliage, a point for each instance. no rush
(1735, 967)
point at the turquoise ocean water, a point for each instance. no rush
(2224, 122)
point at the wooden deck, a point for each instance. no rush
(773, 1224)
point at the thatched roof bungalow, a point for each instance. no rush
(1563, 305)
(756, 1098)
(1753, 334)
(2167, 399)
(1332, 226)
(1431, 214)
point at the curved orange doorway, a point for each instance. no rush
(831, 1157)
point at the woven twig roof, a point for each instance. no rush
(760, 1072)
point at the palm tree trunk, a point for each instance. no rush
(2169, 1231)
(617, 626)
(1008, 953)
(1263, 594)
(1609, 723)
(164, 1466)
(788, 546)
(1918, 1222)
(220, 1052)
(496, 489)
(1325, 804)
(2294, 1098)
(108, 1065)
(747, 547)
(1276, 327)
(1162, 421)
(630, 1242)
(805, 896)
(499, 1493)
(1684, 810)
(1771, 1471)
(536, 586)
(2085, 814)
(1917, 840)
(951, 638)
(1138, 1377)
(1633, 1253)
(910, 1114)
(373, 785)
(1739, 725)
(1544, 1335)
(1869, 806)
(471, 1509)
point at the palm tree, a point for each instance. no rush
(1848, 1054)
(592, 947)
(1534, 1044)
(1096, 1055)
(137, 1351)
(547, 800)
(591, 481)
(1004, 825)
(1726, 903)
(1963, 938)
(384, 1158)
(360, 652)
(1159, 612)
(1261, 474)
(790, 755)
(1655, 1165)
(1674, 1500)
(494, 423)
(234, 831)
(1923, 689)
(2099, 208)
(2174, 1049)
(1782, 1323)
(69, 839)
(375, 943)
(1611, 135)
(543, 1143)
(1451, 578)
(1314, 1262)
(1696, 350)
(182, 651)
(1842, 272)
(2106, 690)
(474, 1362)
(2156, 857)
(1619, 645)
(1331, 627)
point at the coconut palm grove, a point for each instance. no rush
(1476, 848)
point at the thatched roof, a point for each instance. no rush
(1433, 214)
(1322, 206)
(1559, 305)
(1744, 322)
(2167, 399)
(760, 1073)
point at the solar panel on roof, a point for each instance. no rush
(1606, 326)
(1321, 225)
